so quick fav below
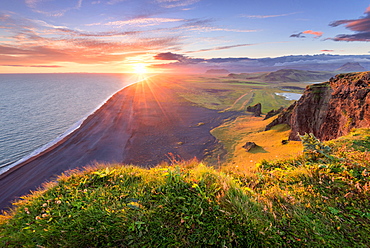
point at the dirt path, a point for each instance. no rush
(142, 124)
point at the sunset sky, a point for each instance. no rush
(114, 35)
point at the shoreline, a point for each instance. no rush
(142, 124)
(61, 137)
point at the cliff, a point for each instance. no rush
(330, 109)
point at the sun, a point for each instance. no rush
(140, 68)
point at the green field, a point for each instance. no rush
(220, 93)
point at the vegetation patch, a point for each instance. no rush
(318, 199)
(235, 134)
(184, 205)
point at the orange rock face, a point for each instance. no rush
(331, 109)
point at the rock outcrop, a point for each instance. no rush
(249, 146)
(330, 109)
(273, 113)
(256, 109)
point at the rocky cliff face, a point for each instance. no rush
(331, 109)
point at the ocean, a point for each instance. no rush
(37, 110)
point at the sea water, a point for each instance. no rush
(37, 110)
(290, 96)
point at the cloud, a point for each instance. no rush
(267, 16)
(47, 7)
(317, 34)
(42, 66)
(142, 22)
(97, 34)
(298, 35)
(360, 26)
(220, 48)
(181, 60)
(205, 25)
(211, 29)
(112, 2)
(176, 3)
(170, 56)
(326, 50)
(33, 42)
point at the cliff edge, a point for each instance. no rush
(330, 109)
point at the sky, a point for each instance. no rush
(51, 36)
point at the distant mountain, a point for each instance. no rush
(317, 62)
(217, 71)
(291, 75)
(351, 67)
(286, 75)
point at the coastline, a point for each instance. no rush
(60, 138)
(142, 124)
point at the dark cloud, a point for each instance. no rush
(170, 56)
(180, 59)
(316, 33)
(360, 26)
(298, 35)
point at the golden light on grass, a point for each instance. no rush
(251, 129)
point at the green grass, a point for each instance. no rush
(134, 207)
(226, 94)
(269, 100)
(307, 201)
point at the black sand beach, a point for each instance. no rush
(143, 124)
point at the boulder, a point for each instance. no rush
(256, 109)
(249, 145)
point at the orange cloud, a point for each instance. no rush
(316, 33)
(34, 42)
(360, 26)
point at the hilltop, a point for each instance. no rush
(351, 67)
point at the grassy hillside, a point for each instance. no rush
(318, 199)
(225, 94)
